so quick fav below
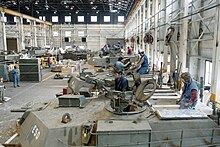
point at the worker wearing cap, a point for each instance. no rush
(142, 63)
(189, 97)
(121, 82)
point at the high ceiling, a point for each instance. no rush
(38, 7)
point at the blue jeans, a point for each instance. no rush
(15, 82)
(143, 70)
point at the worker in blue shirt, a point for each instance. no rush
(120, 65)
(189, 97)
(121, 82)
(142, 63)
(15, 76)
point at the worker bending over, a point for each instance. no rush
(121, 82)
(120, 65)
(189, 97)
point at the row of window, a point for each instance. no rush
(79, 19)
(82, 19)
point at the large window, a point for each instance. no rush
(80, 18)
(208, 72)
(93, 18)
(42, 18)
(15, 19)
(67, 18)
(106, 18)
(55, 33)
(67, 33)
(54, 18)
(121, 19)
(5, 19)
(81, 33)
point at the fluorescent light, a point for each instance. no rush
(113, 11)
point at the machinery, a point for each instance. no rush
(96, 115)
(108, 56)
(146, 117)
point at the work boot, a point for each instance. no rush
(18, 86)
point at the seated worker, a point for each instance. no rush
(142, 63)
(121, 82)
(120, 65)
(189, 97)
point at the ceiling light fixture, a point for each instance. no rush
(77, 11)
(27, 7)
(37, 12)
(46, 5)
(72, 7)
(91, 2)
(94, 7)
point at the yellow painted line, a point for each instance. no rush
(48, 77)
(32, 86)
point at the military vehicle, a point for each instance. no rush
(96, 115)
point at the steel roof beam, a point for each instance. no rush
(14, 13)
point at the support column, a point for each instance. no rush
(3, 44)
(35, 35)
(173, 45)
(45, 35)
(162, 33)
(136, 32)
(143, 26)
(148, 28)
(139, 30)
(155, 10)
(215, 87)
(166, 48)
(151, 53)
(32, 33)
(19, 21)
(184, 36)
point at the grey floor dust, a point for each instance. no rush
(28, 92)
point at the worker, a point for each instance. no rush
(48, 61)
(120, 65)
(121, 82)
(15, 76)
(129, 50)
(142, 64)
(189, 97)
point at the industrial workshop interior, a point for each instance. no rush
(116, 73)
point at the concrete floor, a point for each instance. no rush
(43, 91)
